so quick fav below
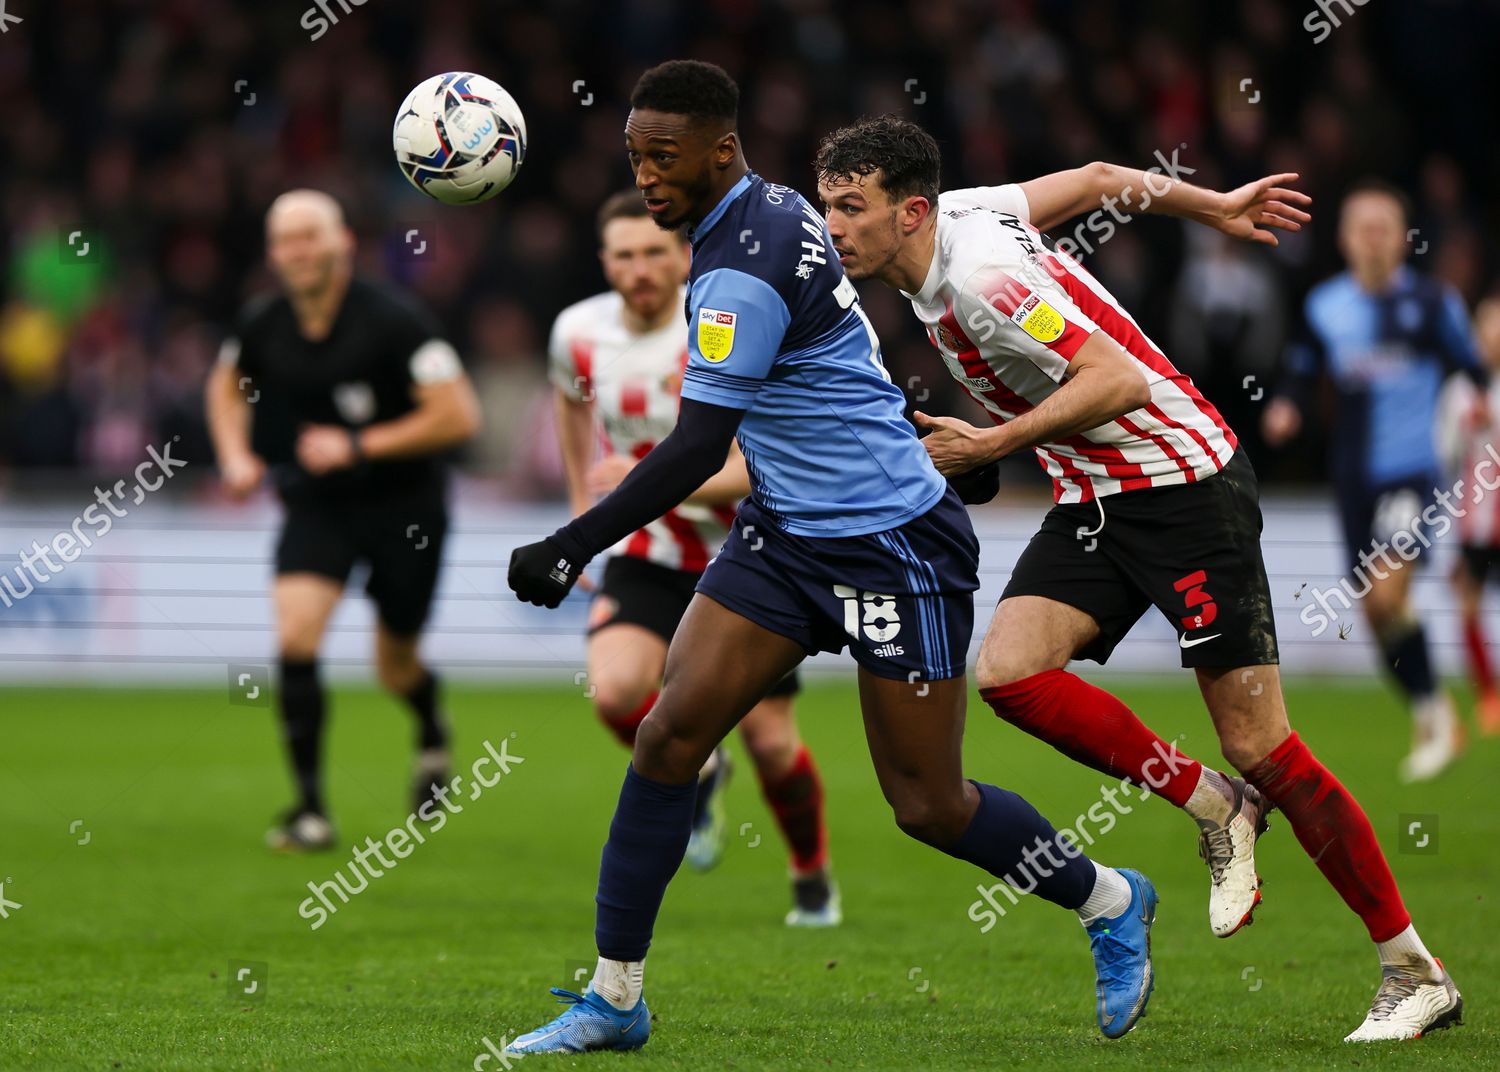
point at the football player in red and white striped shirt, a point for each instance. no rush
(1155, 504)
(616, 363)
(1468, 436)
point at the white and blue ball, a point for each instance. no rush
(459, 138)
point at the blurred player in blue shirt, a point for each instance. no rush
(850, 538)
(1386, 337)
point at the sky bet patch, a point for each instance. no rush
(1038, 319)
(715, 333)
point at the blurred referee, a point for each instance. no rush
(355, 396)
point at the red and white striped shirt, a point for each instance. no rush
(1007, 314)
(634, 382)
(1466, 445)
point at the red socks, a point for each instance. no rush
(624, 728)
(1096, 729)
(1335, 832)
(1091, 726)
(1479, 658)
(796, 799)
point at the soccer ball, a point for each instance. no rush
(459, 138)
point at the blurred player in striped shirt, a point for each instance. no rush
(616, 363)
(1155, 504)
(1468, 438)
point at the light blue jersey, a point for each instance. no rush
(1387, 355)
(775, 328)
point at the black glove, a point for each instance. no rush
(977, 485)
(542, 573)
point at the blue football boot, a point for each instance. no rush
(590, 1023)
(1122, 958)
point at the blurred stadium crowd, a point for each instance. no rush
(145, 139)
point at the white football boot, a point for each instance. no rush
(1409, 1004)
(815, 901)
(1438, 740)
(1229, 850)
(301, 831)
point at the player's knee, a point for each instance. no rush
(666, 750)
(1385, 606)
(617, 701)
(772, 753)
(929, 819)
(399, 675)
(1244, 751)
(771, 741)
(298, 645)
(996, 668)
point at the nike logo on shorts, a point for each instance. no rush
(1185, 643)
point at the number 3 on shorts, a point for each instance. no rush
(881, 622)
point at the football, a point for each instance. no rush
(459, 138)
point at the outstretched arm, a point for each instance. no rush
(543, 573)
(1249, 212)
(725, 488)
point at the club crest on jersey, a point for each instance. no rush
(355, 402)
(715, 333)
(1038, 319)
(948, 340)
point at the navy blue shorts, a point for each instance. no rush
(1371, 515)
(901, 600)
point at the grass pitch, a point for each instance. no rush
(131, 831)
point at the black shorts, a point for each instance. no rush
(1370, 516)
(1193, 550)
(1479, 562)
(901, 600)
(638, 592)
(399, 537)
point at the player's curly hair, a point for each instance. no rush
(701, 91)
(906, 156)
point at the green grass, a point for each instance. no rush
(118, 957)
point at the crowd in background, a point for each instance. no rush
(144, 140)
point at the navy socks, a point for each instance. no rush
(647, 840)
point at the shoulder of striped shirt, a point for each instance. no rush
(991, 247)
(606, 303)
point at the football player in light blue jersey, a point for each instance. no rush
(850, 538)
(1386, 336)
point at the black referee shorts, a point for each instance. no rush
(1192, 550)
(400, 537)
(638, 592)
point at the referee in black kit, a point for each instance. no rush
(354, 395)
